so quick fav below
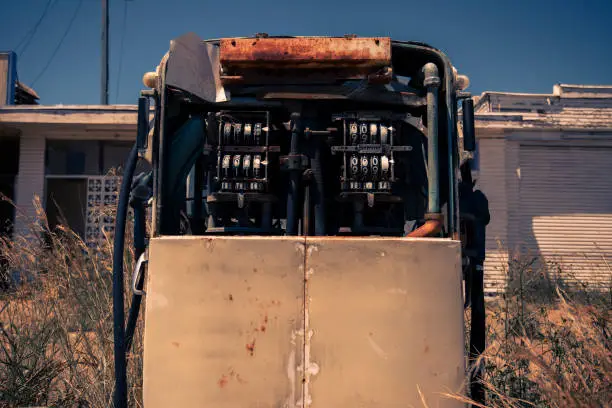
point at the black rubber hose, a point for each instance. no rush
(477, 333)
(318, 195)
(139, 248)
(120, 395)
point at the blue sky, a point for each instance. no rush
(518, 46)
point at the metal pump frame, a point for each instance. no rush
(438, 80)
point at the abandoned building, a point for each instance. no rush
(543, 160)
(62, 154)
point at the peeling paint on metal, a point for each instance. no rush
(156, 301)
(290, 403)
(377, 349)
(311, 248)
(305, 52)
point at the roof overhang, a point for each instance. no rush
(71, 121)
(534, 122)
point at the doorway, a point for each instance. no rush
(9, 167)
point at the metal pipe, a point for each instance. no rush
(433, 224)
(120, 395)
(266, 218)
(294, 179)
(198, 180)
(318, 192)
(430, 228)
(358, 207)
(432, 83)
(306, 217)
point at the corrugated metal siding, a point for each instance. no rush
(492, 181)
(512, 191)
(30, 180)
(566, 209)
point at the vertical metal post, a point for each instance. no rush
(432, 83)
(104, 73)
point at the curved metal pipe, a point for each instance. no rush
(430, 228)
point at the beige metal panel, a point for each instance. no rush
(223, 318)
(30, 179)
(566, 208)
(384, 316)
(492, 181)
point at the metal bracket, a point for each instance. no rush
(370, 200)
(136, 274)
(294, 162)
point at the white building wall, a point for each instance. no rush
(566, 207)
(492, 181)
(30, 179)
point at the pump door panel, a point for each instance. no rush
(302, 322)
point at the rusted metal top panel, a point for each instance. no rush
(305, 52)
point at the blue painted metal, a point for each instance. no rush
(11, 80)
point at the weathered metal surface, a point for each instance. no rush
(384, 318)
(302, 322)
(305, 52)
(222, 322)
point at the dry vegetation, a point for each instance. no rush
(56, 331)
(547, 346)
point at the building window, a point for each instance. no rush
(72, 157)
(82, 177)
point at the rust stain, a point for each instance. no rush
(230, 297)
(307, 52)
(231, 375)
(263, 326)
(223, 381)
(251, 347)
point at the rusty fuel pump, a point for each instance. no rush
(302, 248)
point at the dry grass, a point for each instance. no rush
(547, 346)
(56, 336)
